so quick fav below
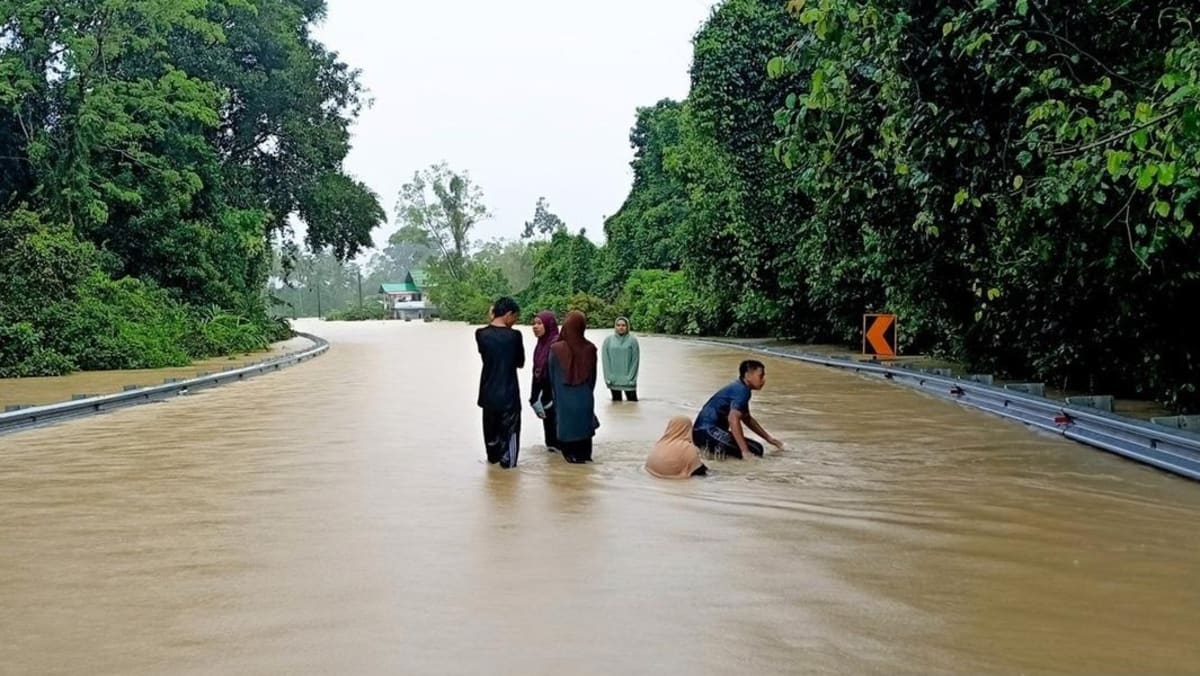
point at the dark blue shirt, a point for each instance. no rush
(733, 397)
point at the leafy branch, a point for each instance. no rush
(1113, 138)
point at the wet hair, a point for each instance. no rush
(504, 306)
(748, 366)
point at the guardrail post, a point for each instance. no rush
(1103, 402)
(1036, 389)
(1181, 422)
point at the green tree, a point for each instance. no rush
(335, 204)
(318, 284)
(466, 294)
(284, 133)
(563, 267)
(661, 301)
(544, 223)
(178, 139)
(644, 233)
(514, 260)
(445, 205)
(738, 239)
(998, 167)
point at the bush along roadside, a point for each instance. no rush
(62, 311)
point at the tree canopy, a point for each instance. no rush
(164, 145)
(1016, 179)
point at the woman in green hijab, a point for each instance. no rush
(620, 356)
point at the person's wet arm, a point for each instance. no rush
(637, 357)
(606, 361)
(758, 429)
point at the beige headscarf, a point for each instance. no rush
(674, 456)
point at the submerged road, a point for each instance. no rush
(338, 517)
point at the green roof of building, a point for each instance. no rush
(401, 287)
(420, 278)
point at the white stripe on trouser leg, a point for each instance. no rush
(512, 450)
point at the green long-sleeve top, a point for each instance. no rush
(620, 356)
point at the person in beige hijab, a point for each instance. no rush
(674, 456)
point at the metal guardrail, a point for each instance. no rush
(36, 416)
(1172, 450)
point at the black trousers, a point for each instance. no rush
(721, 442)
(502, 436)
(550, 430)
(543, 393)
(630, 395)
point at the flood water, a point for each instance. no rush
(338, 517)
(49, 390)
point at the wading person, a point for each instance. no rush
(675, 456)
(502, 352)
(541, 394)
(720, 426)
(572, 367)
(620, 356)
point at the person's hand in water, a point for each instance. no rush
(779, 445)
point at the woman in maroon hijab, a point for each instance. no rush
(572, 367)
(541, 395)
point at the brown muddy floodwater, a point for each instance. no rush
(338, 517)
(51, 390)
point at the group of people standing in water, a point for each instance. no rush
(562, 394)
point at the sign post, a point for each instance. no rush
(879, 335)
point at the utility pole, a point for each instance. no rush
(359, 271)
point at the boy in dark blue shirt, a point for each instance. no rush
(719, 426)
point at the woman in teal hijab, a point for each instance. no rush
(620, 356)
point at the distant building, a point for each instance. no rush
(406, 300)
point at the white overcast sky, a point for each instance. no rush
(529, 97)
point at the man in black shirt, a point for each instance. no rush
(503, 352)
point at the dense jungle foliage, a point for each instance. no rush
(150, 153)
(1017, 180)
